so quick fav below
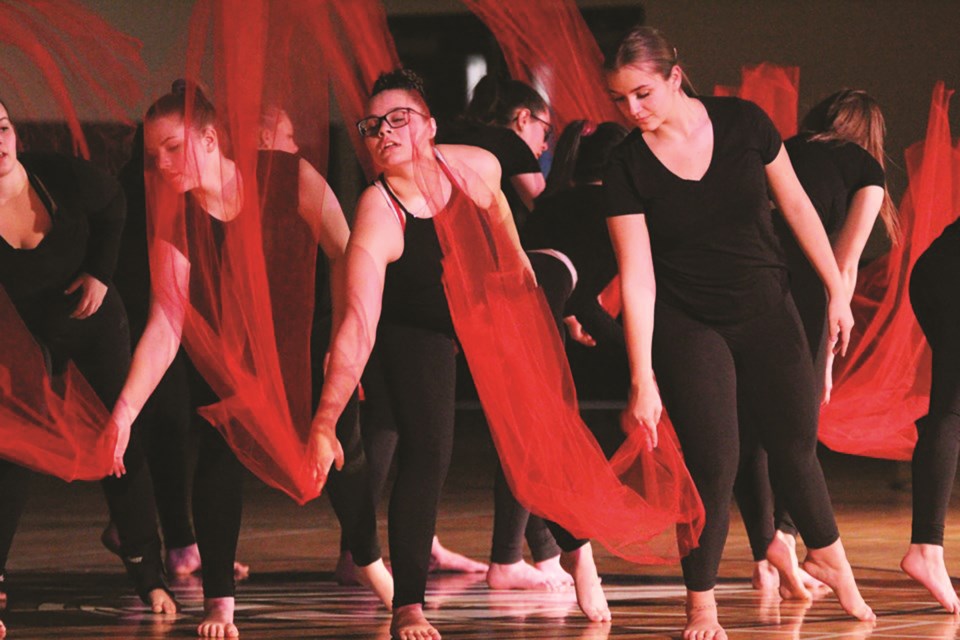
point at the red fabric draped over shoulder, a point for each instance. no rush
(548, 45)
(239, 278)
(883, 385)
(81, 65)
(552, 461)
(775, 89)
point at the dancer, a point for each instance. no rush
(188, 157)
(706, 304)
(936, 303)
(60, 230)
(349, 488)
(839, 160)
(511, 120)
(395, 226)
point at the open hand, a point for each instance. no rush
(91, 297)
(323, 451)
(576, 331)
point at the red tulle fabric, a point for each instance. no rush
(548, 45)
(883, 385)
(640, 505)
(248, 309)
(775, 89)
(82, 65)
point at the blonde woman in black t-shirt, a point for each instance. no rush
(706, 305)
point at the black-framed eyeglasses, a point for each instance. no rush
(369, 127)
(547, 127)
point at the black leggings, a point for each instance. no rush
(935, 296)
(715, 379)
(419, 376)
(99, 346)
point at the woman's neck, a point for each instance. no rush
(686, 118)
(13, 184)
(220, 193)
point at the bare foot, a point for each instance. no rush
(375, 577)
(519, 575)
(240, 571)
(442, 559)
(702, 621)
(590, 596)
(783, 557)
(346, 571)
(161, 601)
(3, 630)
(925, 564)
(765, 576)
(551, 567)
(409, 623)
(595, 631)
(218, 619)
(816, 587)
(182, 561)
(830, 566)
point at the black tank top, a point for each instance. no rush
(413, 292)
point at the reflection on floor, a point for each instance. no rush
(62, 584)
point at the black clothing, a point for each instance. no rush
(714, 250)
(935, 296)
(831, 172)
(513, 154)
(572, 222)
(729, 352)
(86, 208)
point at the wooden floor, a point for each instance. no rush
(62, 584)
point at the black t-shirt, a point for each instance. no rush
(87, 210)
(511, 151)
(831, 172)
(715, 254)
(572, 222)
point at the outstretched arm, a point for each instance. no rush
(799, 213)
(157, 346)
(377, 240)
(631, 243)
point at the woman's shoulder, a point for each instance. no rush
(474, 159)
(67, 176)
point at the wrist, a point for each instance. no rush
(642, 379)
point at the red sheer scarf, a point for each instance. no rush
(552, 461)
(59, 425)
(774, 88)
(246, 307)
(883, 385)
(548, 45)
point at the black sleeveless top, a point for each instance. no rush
(413, 292)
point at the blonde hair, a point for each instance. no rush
(852, 115)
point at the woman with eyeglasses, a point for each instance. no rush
(394, 280)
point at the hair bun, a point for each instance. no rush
(179, 87)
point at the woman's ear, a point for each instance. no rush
(209, 139)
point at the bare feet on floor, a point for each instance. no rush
(442, 559)
(162, 602)
(702, 621)
(551, 567)
(925, 564)
(783, 557)
(765, 576)
(520, 575)
(830, 566)
(375, 577)
(218, 619)
(409, 623)
(590, 596)
(182, 561)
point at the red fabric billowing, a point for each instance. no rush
(247, 305)
(635, 505)
(59, 426)
(883, 385)
(86, 64)
(52, 426)
(775, 89)
(548, 45)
